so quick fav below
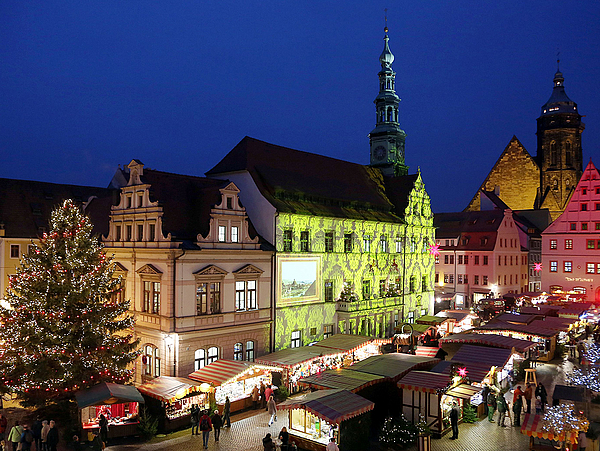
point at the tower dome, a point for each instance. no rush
(559, 102)
(387, 57)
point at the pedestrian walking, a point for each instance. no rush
(580, 351)
(52, 437)
(268, 392)
(540, 391)
(227, 412)
(517, 408)
(26, 438)
(3, 426)
(255, 397)
(454, 420)
(491, 405)
(528, 395)
(502, 408)
(36, 430)
(272, 408)
(205, 427)
(14, 435)
(217, 423)
(268, 444)
(44, 435)
(195, 418)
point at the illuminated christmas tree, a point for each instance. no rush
(564, 419)
(65, 329)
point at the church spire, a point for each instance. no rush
(387, 138)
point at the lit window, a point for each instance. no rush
(222, 233)
(251, 295)
(367, 243)
(568, 244)
(568, 267)
(199, 359)
(296, 339)
(156, 362)
(213, 355)
(151, 297)
(240, 295)
(234, 234)
(553, 244)
(590, 268)
(304, 241)
(208, 298)
(553, 266)
(250, 351)
(327, 331)
(399, 246)
(238, 351)
(383, 241)
(287, 241)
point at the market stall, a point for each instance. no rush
(519, 346)
(315, 417)
(393, 366)
(170, 399)
(457, 321)
(341, 378)
(118, 403)
(543, 336)
(297, 363)
(234, 379)
(532, 427)
(358, 347)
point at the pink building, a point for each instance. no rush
(571, 244)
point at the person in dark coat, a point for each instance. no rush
(103, 423)
(484, 395)
(195, 418)
(502, 409)
(227, 412)
(217, 423)
(491, 405)
(284, 436)
(268, 444)
(52, 439)
(36, 430)
(263, 400)
(26, 438)
(517, 409)
(540, 391)
(454, 420)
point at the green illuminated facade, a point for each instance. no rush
(351, 241)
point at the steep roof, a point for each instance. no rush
(475, 225)
(26, 206)
(306, 183)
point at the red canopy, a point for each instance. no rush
(169, 389)
(346, 379)
(425, 381)
(427, 351)
(496, 341)
(220, 371)
(532, 426)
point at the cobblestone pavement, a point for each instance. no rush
(247, 433)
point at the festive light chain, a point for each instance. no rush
(589, 378)
(563, 419)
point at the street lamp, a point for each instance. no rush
(169, 342)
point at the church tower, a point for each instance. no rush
(387, 138)
(559, 152)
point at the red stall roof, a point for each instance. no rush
(532, 426)
(169, 389)
(220, 371)
(515, 318)
(333, 406)
(290, 357)
(425, 381)
(427, 351)
(482, 355)
(533, 329)
(393, 366)
(554, 323)
(349, 342)
(496, 341)
(457, 315)
(344, 379)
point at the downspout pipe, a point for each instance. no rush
(175, 258)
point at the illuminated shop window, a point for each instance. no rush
(199, 359)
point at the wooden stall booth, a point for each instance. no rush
(457, 321)
(234, 379)
(118, 403)
(315, 417)
(170, 399)
(541, 439)
(544, 337)
(354, 347)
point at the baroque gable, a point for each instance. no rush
(149, 270)
(210, 270)
(248, 270)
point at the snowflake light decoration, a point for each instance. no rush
(434, 249)
(462, 372)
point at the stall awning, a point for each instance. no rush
(496, 341)
(350, 343)
(169, 389)
(220, 371)
(534, 329)
(482, 355)
(425, 381)
(290, 357)
(393, 366)
(431, 320)
(333, 406)
(554, 323)
(456, 315)
(341, 378)
(418, 329)
(532, 426)
(463, 391)
(107, 393)
(427, 351)
(514, 318)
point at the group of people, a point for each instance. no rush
(495, 400)
(201, 420)
(41, 435)
(266, 396)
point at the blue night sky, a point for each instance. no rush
(85, 86)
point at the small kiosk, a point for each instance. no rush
(532, 427)
(315, 417)
(234, 379)
(119, 403)
(170, 399)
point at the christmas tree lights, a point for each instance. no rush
(587, 377)
(564, 420)
(64, 330)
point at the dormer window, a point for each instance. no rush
(230, 203)
(152, 232)
(140, 200)
(128, 202)
(222, 233)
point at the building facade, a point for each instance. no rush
(197, 274)
(571, 244)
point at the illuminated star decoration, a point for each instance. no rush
(462, 372)
(537, 267)
(434, 249)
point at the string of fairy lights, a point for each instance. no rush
(64, 329)
(564, 419)
(589, 375)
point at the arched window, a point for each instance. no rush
(250, 351)
(213, 354)
(199, 359)
(238, 351)
(553, 154)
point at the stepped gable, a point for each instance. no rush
(306, 183)
(515, 178)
